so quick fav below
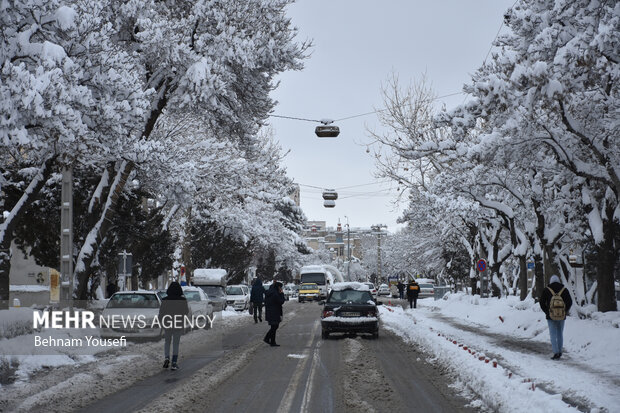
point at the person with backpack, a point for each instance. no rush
(555, 301)
(413, 289)
(401, 289)
(171, 316)
(257, 297)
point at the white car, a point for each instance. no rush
(383, 290)
(372, 288)
(238, 297)
(199, 304)
(290, 290)
(124, 306)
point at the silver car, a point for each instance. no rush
(426, 290)
(199, 304)
(131, 314)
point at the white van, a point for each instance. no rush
(320, 276)
(213, 282)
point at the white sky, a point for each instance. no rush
(357, 45)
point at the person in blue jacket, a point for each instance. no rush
(274, 299)
(257, 297)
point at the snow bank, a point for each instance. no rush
(467, 333)
(15, 321)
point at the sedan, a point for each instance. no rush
(383, 290)
(426, 290)
(372, 288)
(131, 314)
(199, 305)
(238, 297)
(350, 308)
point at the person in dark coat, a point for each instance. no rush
(257, 298)
(111, 288)
(556, 327)
(401, 290)
(413, 289)
(274, 299)
(172, 312)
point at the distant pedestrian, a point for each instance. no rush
(111, 288)
(274, 299)
(257, 298)
(171, 316)
(401, 289)
(413, 289)
(555, 301)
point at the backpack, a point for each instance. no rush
(557, 308)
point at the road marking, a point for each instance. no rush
(287, 400)
(309, 384)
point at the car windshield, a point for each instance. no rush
(309, 287)
(313, 277)
(192, 295)
(133, 301)
(370, 285)
(234, 291)
(213, 291)
(350, 297)
(162, 294)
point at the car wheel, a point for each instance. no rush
(324, 334)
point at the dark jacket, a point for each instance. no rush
(174, 304)
(412, 294)
(400, 286)
(274, 300)
(257, 294)
(545, 298)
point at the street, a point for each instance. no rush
(230, 369)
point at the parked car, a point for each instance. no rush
(124, 306)
(238, 297)
(426, 290)
(290, 290)
(350, 308)
(199, 304)
(383, 290)
(309, 292)
(372, 288)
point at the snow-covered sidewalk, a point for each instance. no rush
(467, 334)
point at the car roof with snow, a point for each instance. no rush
(352, 285)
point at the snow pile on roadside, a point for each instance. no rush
(459, 330)
(15, 321)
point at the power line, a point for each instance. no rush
(356, 116)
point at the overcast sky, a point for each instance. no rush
(357, 45)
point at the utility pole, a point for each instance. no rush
(66, 238)
(377, 229)
(348, 250)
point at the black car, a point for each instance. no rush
(350, 309)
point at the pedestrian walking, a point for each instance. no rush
(172, 313)
(555, 301)
(401, 289)
(274, 299)
(257, 298)
(413, 289)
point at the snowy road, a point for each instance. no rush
(308, 374)
(230, 369)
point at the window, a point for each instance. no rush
(350, 297)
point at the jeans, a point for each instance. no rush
(258, 311)
(556, 331)
(173, 334)
(270, 337)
